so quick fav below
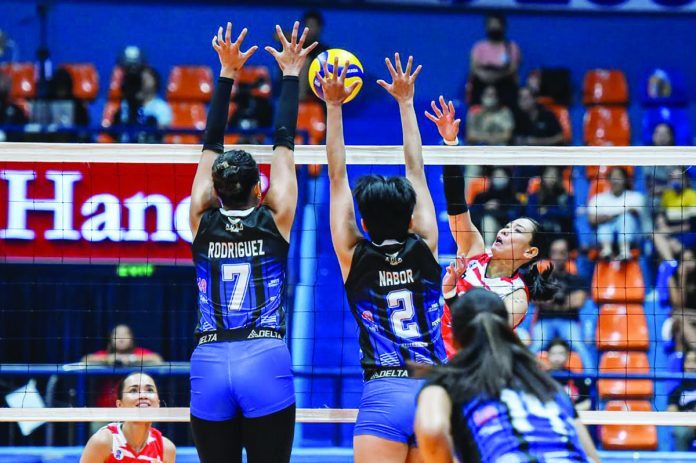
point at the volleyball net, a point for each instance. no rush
(97, 236)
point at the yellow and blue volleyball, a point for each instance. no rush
(355, 72)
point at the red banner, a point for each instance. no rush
(96, 212)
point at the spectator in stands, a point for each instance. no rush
(560, 316)
(683, 399)
(491, 123)
(682, 296)
(142, 106)
(577, 389)
(617, 214)
(496, 206)
(534, 124)
(552, 206)
(10, 113)
(313, 20)
(675, 224)
(495, 61)
(657, 177)
(121, 351)
(60, 88)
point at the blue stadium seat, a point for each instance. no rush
(664, 87)
(677, 118)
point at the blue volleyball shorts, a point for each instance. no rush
(248, 378)
(388, 408)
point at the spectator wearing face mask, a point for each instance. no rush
(495, 61)
(495, 207)
(491, 123)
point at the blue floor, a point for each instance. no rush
(300, 455)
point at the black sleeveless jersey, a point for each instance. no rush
(241, 264)
(394, 294)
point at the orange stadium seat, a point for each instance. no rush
(115, 82)
(607, 126)
(624, 363)
(312, 119)
(186, 116)
(629, 437)
(618, 282)
(190, 83)
(622, 327)
(85, 80)
(258, 78)
(23, 79)
(574, 361)
(604, 86)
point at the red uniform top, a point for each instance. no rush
(121, 452)
(475, 277)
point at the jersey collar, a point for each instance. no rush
(236, 212)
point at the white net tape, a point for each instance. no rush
(364, 155)
(304, 415)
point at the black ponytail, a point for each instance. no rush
(541, 284)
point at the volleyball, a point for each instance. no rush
(355, 71)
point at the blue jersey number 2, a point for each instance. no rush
(402, 317)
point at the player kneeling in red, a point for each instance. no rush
(131, 442)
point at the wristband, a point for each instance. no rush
(451, 143)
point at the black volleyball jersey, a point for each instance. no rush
(394, 294)
(241, 263)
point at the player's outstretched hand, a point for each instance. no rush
(455, 270)
(292, 56)
(403, 83)
(333, 84)
(444, 119)
(231, 56)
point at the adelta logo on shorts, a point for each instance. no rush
(118, 454)
(202, 284)
(264, 334)
(367, 315)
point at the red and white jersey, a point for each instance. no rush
(121, 452)
(475, 277)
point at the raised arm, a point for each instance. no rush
(466, 235)
(282, 193)
(232, 59)
(344, 229)
(402, 89)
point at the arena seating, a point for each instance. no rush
(623, 437)
(605, 87)
(622, 327)
(607, 126)
(190, 84)
(85, 80)
(624, 362)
